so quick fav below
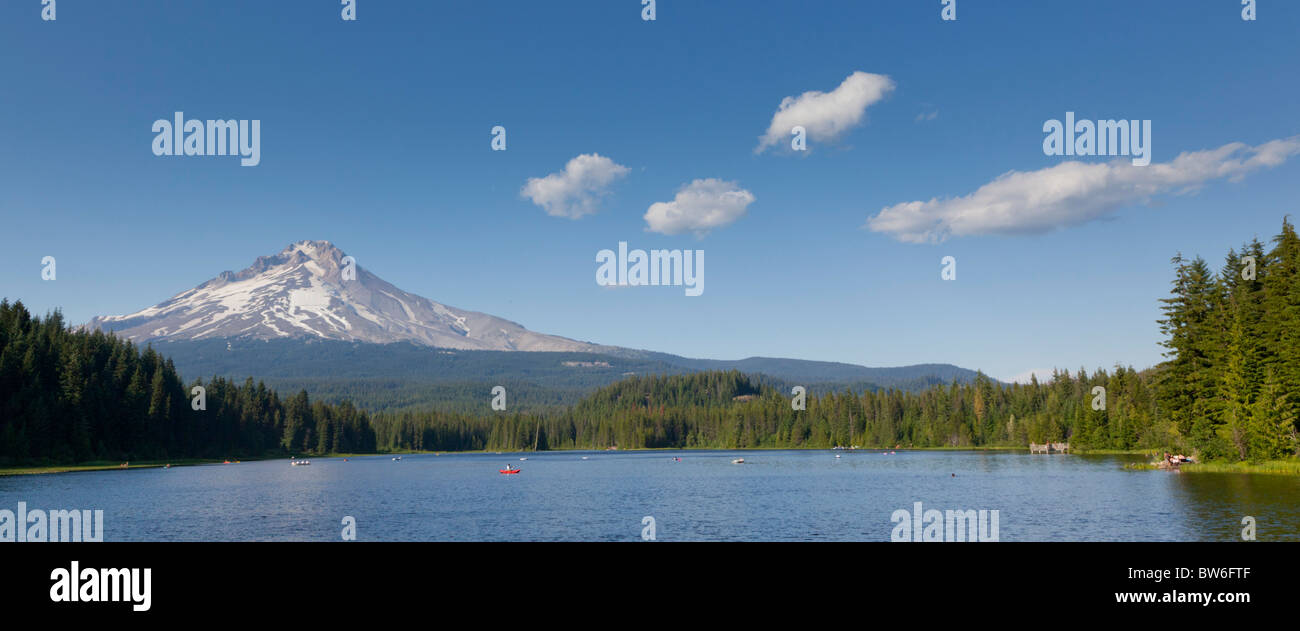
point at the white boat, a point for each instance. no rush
(522, 459)
(738, 461)
(299, 463)
(396, 458)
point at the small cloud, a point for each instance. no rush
(1044, 376)
(927, 116)
(699, 207)
(575, 191)
(827, 115)
(1071, 193)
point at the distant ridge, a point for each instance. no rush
(310, 317)
(404, 375)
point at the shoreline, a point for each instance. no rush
(1268, 467)
(100, 465)
(1273, 467)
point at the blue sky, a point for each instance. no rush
(375, 134)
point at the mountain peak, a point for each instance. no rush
(301, 292)
(319, 251)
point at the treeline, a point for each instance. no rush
(607, 417)
(70, 396)
(730, 410)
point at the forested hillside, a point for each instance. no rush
(76, 397)
(402, 377)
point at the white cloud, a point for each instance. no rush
(699, 207)
(1071, 193)
(1044, 376)
(575, 191)
(827, 115)
(927, 116)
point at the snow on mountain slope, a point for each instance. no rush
(301, 292)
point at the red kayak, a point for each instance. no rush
(509, 471)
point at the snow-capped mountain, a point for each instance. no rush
(302, 292)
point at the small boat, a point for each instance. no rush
(837, 455)
(396, 458)
(509, 470)
(299, 463)
(522, 459)
(738, 461)
(584, 457)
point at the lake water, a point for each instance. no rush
(775, 496)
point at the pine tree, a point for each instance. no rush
(1272, 424)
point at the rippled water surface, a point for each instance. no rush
(774, 496)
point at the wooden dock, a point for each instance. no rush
(1049, 448)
